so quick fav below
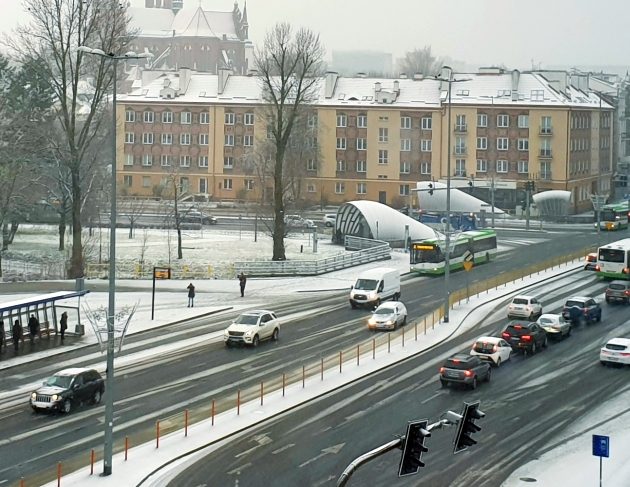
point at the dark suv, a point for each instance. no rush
(525, 336)
(464, 369)
(618, 291)
(68, 388)
(581, 310)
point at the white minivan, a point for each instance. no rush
(374, 286)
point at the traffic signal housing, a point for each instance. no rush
(431, 189)
(413, 448)
(467, 426)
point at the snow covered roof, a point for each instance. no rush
(460, 202)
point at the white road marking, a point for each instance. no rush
(326, 451)
(238, 470)
(285, 447)
(439, 393)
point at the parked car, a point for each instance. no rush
(464, 369)
(591, 262)
(388, 316)
(616, 351)
(492, 349)
(297, 221)
(555, 325)
(581, 310)
(524, 307)
(329, 219)
(251, 327)
(525, 336)
(196, 216)
(618, 291)
(68, 388)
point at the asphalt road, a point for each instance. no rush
(194, 368)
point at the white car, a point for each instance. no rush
(329, 219)
(297, 221)
(524, 307)
(616, 351)
(388, 316)
(251, 327)
(555, 325)
(492, 349)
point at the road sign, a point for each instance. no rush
(162, 272)
(468, 260)
(601, 446)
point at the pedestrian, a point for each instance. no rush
(16, 334)
(1, 334)
(242, 280)
(33, 327)
(191, 295)
(63, 324)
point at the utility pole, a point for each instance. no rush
(528, 190)
(492, 199)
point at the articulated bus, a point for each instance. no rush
(427, 256)
(614, 217)
(613, 260)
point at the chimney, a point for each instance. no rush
(184, 80)
(222, 78)
(331, 83)
(361, 74)
(418, 76)
(516, 74)
(377, 87)
(397, 87)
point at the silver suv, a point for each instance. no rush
(618, 291)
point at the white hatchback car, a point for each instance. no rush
(616, 351)
(388, 316)
(492, 349)
(524, 307)
(251, 327)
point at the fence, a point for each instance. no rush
(18, 270)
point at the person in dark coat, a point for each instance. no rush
(242, 280)
(16, 333)
(33, 327)
(63, 324)
(191, 295)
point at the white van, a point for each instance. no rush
(374, 286)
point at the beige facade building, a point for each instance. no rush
(376, 138)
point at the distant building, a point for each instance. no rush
(370, 63)
(181, 36)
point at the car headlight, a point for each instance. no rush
(372, 321)
(34, 396)
(249, 333)
(390, 322)
(55, 398)
(226, 333)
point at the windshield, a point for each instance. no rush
(432, 256)
(611, 255)
(366, 284)
(614, 346)
(384, 311)
(547, 321)
(617, 287)
(62, 381)
(519, 301)
(247, 320)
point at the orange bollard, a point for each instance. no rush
(157, 434)
(212, 414)
(340, 359)
(126, 447)
(22, 484)
(92, 462)
(59, 474)
(283, 383)
(186, 422)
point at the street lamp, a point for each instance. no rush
(447, 243)
(109, 390)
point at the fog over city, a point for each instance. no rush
(566, 33)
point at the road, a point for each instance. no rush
(164, 371)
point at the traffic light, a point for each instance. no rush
(467, 426)
(532, 186)
(470, 184)
(523, 206)
(431, 189)
(413, 448)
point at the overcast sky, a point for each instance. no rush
(511, 32)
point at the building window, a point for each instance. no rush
(427, 123)
(482, 120)
(130, 116)
(403, 190)
(425, 168)
(341, 143)
(361, 144)
(248, 140)
(362, 121)
(147, 138)
(229, 119)
(460, 123)
(165, 160)
(147, 159)
(312, 120)
(310, 188)
(341, 166)
(545, 125)
(167, 139)
(405, 167)
(184, 139)
(405, 145)
(203, 161)
(502, 165)
(249, 118)
(227, 184)
(249, 184)
(149, 116)
(460, 146)
(342, 120)
(383, 156)
(523, 121)
(340, 188)
(482, 165)
(523, 167)
(311, 165)
(127, 181)
(184, 161)
(361, 166)
(203, 185)
(545, 148)
(130, 137)
(482, 143)
(405, 122)
(361, 188)
(545, 170)
(425, 145)
(460, 167)
(167, 117)
(502, 143)
(203, 139)
(503, 121)
(523, 144)
(184, 185)
(228, 162)
(128, 159)
(185, 118)
(204, 118)
(229, 140)
(383, 134)
(146, 181)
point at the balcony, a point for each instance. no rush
(546, 176)
(461, 128)
(460, 150)
(546, 131)
(545, 154)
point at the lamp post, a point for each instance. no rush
(447, 243)
(109, 390)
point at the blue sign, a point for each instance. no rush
(601, 446)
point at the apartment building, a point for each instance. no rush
(375, 138)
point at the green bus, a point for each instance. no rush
(614, 217)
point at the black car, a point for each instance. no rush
(67, 389)
(196, 216)
(464, 369)
(525, 336)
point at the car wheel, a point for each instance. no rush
(608, 300)
(569, 331)
(444, 383)
(275, 335)
(377, 303)
(67, 406)
(97, 397)
(489, 375)
(533, 350)
(353, 305)
(473, 385)
(544, 344)
(599, 318)
(255, 341)
(404, 320)
(605, 364)
(498, 362)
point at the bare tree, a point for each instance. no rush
(132, 209)
(289, 67)
(420, 61)
(55, 31)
